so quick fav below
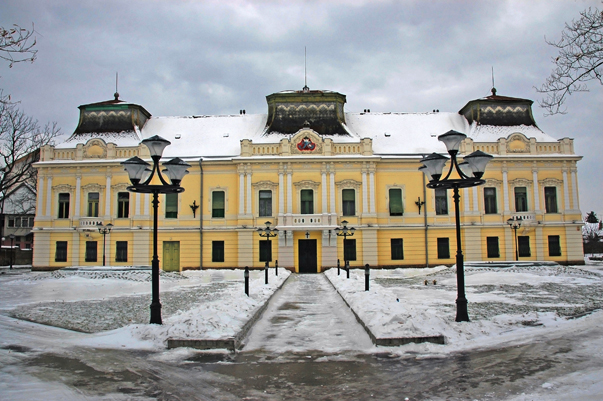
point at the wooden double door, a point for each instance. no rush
(171, 256)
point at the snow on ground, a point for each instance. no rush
(505, 304)
(515, 303)
(114, 304)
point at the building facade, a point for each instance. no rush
(306, 166)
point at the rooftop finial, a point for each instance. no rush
(116, 94)
(493, 88)
(306, 89)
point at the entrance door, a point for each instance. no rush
(171, 256)
(307, 256)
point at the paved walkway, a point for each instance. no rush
(307, 314)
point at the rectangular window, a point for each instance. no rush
(441, 201)
(121, 251)
(521, 199)
(490, 200)
(307, 201)
(397, 250)
(24, 221)
(217, 204)
(395, 202)
(443, 248)
(93, 198)
(91, 248)
(11, 222)
(265, 251)
(63, 206)
(550, 199)
(554, 245)
(492, 245)
(265, 204)
(123, 205)
(17, 222)
(523, 242)
(349, 249)
(348, 202)
(217, 251)
(60, 254)
(31, 222)
(171, 206)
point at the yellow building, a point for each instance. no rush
(306, 166)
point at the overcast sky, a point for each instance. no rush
(217, 57)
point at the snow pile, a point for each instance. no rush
(115, 305)
(503, 303)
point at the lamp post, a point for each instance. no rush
(141, 178)
(475, 164)
(12, 249)
(515, 222)
(268, 233)
(345, 232)
(104, 230)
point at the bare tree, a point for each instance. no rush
(580, 60)
(21, 138)
(17, 44)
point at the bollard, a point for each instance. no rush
(276, 267)
(266, 272)
(338, 267)
(367, 273)
(347, 268)
(246, 275)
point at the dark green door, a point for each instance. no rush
(171, 256)
(307, 256)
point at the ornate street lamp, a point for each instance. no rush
(268, 233)
(475, 164)
(345, 232)
(141, 178)
(104, 230)
(515, 222)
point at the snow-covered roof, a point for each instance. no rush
(391, 133)
(491, 133)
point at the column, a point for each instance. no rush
(49, 197)
(364, 192)
(332, 188)
(325, 207)
(137, 208)
(40, 195)
(475, 200)
(536, 189)
(108, 196)
(566, 198)
(241, 190)
(505, 191)
(249, 174)
(372, 188)
(289, 190)
(78, 183)
(147, 202)
(575, 204)
(465, 199)
(281, 191)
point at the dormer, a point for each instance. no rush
(499, 110)
(321, 111)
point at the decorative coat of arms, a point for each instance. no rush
(306, 144)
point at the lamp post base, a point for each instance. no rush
(156, 313)
(461, 310)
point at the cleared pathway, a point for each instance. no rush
(307, 314)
